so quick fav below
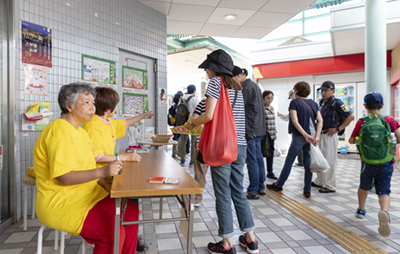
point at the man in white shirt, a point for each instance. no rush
(192, 103)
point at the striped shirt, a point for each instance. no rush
(213, 90)
(200, 108)
(270, 122)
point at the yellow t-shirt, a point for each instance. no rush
(59, 150)
(104, 135)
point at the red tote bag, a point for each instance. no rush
(218, 142)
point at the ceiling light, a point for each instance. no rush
(230, 17)
(68, 4)
(117, 23)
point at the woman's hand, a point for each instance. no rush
(188, 126)
(309, 139)
(148, 115)
(112, 168)
(316, 140)
(130, 157)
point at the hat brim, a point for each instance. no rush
(214, 67)
(322, 88)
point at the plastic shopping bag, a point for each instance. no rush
(277, 150)
(318, 161)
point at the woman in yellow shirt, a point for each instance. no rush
(71, 193)
(104, 131)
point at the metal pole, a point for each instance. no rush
(375, 47)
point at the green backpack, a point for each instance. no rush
(374, 140)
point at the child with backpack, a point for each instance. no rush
(372, 136)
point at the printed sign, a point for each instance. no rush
(134, 78)
(36, 44)
(98, 71)
(134, 104)
(35, 79)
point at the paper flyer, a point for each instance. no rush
(197, 130)
(35, 79)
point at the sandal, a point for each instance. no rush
(252, 195)
(262, 192)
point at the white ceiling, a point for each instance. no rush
(255, 18)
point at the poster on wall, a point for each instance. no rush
(35, 79)
(134, 78)
(98, 71)
(36, 44)
(162, 97)
(134, 103)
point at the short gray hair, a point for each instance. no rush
(70, 93)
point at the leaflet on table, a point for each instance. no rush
(196, 131)
(161, 179)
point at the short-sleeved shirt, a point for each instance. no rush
(270, 122)
(200, 108)
(304, 115)
(104, 134)
(213, 91)
(331, 115)
(60, 149)
(394, 125)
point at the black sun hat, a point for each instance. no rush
(218, 61)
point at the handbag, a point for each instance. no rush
(218, 142)
(267, 148)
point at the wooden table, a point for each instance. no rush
(134, 183)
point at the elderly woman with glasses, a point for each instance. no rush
(70, 189)
(271, 128)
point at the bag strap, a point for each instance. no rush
(308, 107)
(234, 100)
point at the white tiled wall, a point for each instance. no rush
(83, 27)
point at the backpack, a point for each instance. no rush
(182, 112)
(374, 140)
(171, 116)
(341, 118)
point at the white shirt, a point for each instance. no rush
(192, 103)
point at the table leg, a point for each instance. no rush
(116, 225)
(190, 223)
(160, 208)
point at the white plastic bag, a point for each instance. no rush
(277, 151)
(318, 161)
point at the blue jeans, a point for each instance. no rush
(298, 143)
(270, 161)
(255, 165)
(227, 182)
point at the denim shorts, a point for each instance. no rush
(379, 174)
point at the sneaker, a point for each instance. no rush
(274, 187)
(175, 157)
(141, 245)
(252, 195)
(272, 176)
(361, 213)
(191, 164)
(196, 204)
(182, 163)
(250, 247)
(384, 220)
(219, 248)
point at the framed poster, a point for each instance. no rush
(98, 70)
(134, 78)
(134, 103)
(36, 44)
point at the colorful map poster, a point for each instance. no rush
(35, 79)
(134, 78)
(134, 104)
(98, 71)
(36, 44)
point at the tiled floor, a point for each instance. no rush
(278, 230)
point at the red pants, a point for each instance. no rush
(98, 228)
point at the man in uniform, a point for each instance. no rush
(332, 110)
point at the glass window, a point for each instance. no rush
(316, 12)
(317, 25)
(298, 16)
